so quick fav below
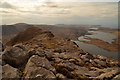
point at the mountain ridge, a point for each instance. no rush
(66, 32)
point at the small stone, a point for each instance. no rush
(71, 60)
(40, 53)
(58, 50)
(83, 53)
(60, 76)
(102, 63)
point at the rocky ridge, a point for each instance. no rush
(35, 53)
(66, 31)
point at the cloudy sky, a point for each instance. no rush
(97, 12)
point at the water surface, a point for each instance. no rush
(107, 37)
(96, 50)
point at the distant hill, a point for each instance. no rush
(66, 31)
(9, 29)
(26, 35)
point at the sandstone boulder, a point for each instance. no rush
(15, 56)
(39, 67)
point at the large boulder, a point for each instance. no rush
(9, 72)
(39, 67)
(15, 56)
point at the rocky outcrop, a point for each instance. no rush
(45, 56)
(15, 56)
(39, 67)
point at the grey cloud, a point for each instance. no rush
(50, 4)
(55, 5)
(47, 4)
(7, 5)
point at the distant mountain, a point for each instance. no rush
(9, 29)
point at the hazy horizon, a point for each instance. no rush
(51, 12)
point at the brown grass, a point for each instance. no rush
(26, 35)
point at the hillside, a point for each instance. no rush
(35, 53)
(72, 32)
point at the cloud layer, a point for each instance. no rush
(59, 12)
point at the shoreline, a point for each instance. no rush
(114, 47)
(115, 32)
(105, 45)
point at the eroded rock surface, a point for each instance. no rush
(39, 67)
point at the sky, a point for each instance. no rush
(92, 12)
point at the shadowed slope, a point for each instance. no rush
(26, 35)
(66, 31)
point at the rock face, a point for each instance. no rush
(39, 67)
(45, 56)
(9, 72)
(15, 56)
